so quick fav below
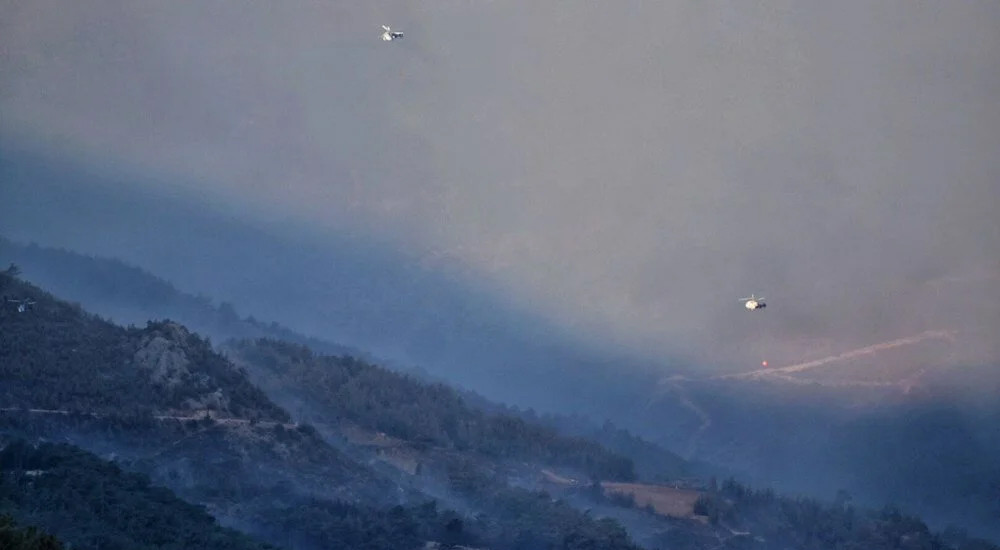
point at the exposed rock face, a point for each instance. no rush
(163, 353)
(215, 401)
(166, 360)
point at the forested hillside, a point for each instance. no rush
(806, 524)
(132, 295)
(160, 402)
(93, 505)
(55, 356)
(652, 462)
(438, 419)
(15, 537)
(428, 414)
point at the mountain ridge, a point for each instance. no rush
(208, 460)
(475, 481)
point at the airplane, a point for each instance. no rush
(22, 305)
(753, 302)
(389, 35)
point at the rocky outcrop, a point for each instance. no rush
(164, 353)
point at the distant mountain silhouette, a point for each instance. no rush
(338, 288)
(129, 295)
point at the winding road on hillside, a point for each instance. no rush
(197, 415)
(676, 383)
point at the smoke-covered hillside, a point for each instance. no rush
(161, 402)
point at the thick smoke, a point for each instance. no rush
(624, 170)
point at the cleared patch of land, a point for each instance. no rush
(667, 501)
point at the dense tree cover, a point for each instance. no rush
(14, 537)
(782, 522)
(519, 518)
(56, 356)
(132, 295)
(206, 461)
(93, 504)
(270, 507)
(228, 466)
(652, 462)
(319, 524)
(433, 414)
(265, 477)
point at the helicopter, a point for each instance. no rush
(389, 35)
(22, 305)
(753, 302)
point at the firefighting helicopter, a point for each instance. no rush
(753, 302)
(389, 35)
(22, 305)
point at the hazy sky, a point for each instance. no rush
(632, 167)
